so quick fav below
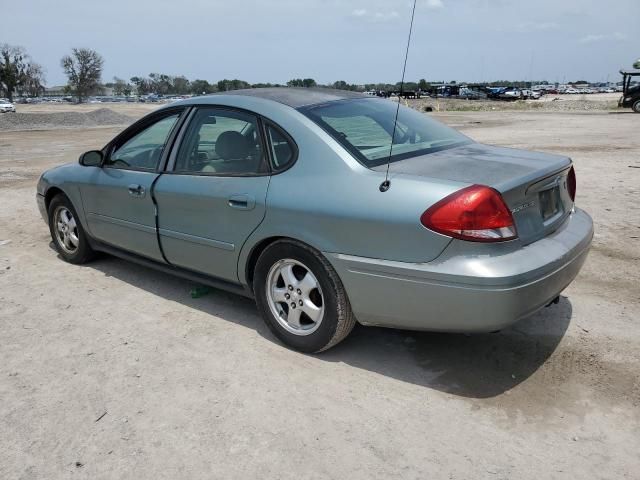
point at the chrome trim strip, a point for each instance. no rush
(121, 223)
(199, 240)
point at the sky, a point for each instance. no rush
(359, 41)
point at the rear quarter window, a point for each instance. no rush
(283, 151)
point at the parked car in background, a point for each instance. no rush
(510, 94)
(6, 106)
(471, 94)
(281, 195)
(531, 94)
(504, 93)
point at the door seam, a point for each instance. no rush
(157, 222)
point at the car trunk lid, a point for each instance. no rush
(533, 184)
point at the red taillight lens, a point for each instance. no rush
(571, 184)
(476, 213)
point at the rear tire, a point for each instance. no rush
(67, 233)
(636, 106)
(301, 298)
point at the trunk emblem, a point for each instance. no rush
(524, 206)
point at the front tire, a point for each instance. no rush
(636, 106)
(301, 298)
(67, 233)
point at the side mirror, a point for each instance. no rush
(92, 158)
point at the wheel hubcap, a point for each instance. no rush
(66, 230)
(295, 297)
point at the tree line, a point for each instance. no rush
(19, 73)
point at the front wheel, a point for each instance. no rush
(67, 233)
(636, 106)
(301, 297)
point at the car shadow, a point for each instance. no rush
(474, 366)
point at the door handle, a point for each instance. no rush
(242, 201)
(136, 190)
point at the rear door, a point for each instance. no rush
(213, 193)
(117, 198)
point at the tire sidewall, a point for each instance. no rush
(636, 106)
(327, 329)
(83, 252)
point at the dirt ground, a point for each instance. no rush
(547, 103)
(111, 370)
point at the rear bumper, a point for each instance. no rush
(469, 288)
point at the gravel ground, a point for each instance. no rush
(64, 119)
(548, 103)
(111, 370)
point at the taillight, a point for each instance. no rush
(476, 213)
(571, 184)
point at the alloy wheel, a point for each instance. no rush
(66, 230)
(295, 297)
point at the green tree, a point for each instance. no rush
(226, 85)
(84, 70)
(340, 85)
(180, 85)
(265, 85)
(636, 64)
(120, 87)
(408, 86)
(201, 87)
(302, 82)
(32, 82)
(160, 83)
(13, 64)
(142, 85)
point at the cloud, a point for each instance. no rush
(366, 15)
(601, 37)
(434, 4)
(538, 26)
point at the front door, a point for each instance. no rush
(117, 199)
(214, 196)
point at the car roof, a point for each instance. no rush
(295, 97)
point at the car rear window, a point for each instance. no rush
(365, 127)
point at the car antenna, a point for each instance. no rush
(384, 186)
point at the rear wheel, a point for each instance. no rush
(301, 297)
(67, 233)
(636, 106)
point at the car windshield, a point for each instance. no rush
(365, 126)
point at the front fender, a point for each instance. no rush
(64, 179)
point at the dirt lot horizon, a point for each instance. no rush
(111, 370)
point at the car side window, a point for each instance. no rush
(144, 150)
(221, 142)
(281, 149)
